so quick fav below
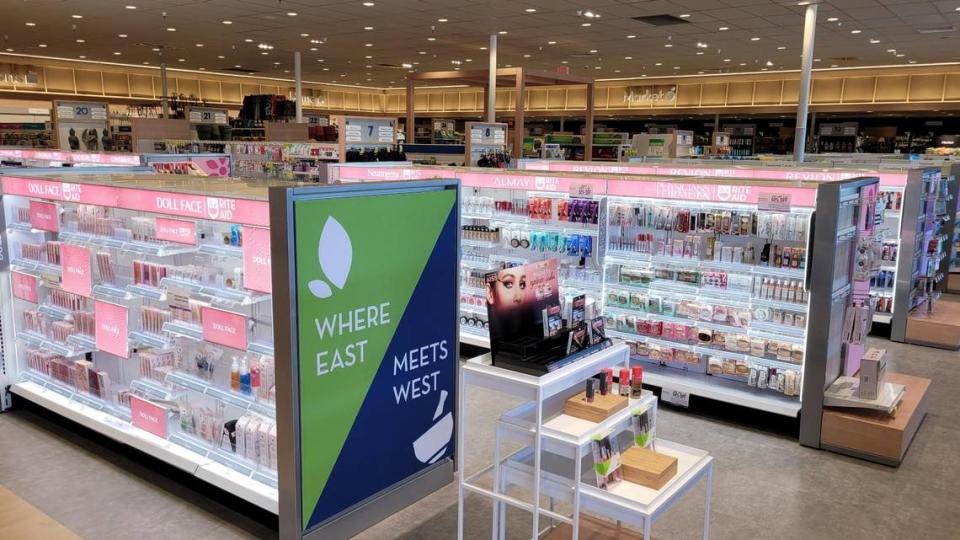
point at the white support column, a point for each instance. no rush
(164, 95)
(298, 83)
(492, 81)
(809, 36)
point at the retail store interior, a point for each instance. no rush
(603, 269)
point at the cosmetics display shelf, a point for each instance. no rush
(30, 265)
(40, 342)
(550, 462)
(151, 320)
(474, 338)
(142, 248)
(115, 423)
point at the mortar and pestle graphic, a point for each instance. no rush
(431, 445)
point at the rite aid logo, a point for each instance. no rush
(70, 192)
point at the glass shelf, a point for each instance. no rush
(144, 248)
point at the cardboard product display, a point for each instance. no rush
(648, 468)
(598, 411)
(873, 368)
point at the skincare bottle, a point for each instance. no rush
(235, 375)
(244, 377)
(625, 382)
(255, 377)
(636, 382)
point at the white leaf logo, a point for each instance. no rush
(336, 255)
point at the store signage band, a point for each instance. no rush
(656, 95)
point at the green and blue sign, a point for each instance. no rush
(376, 287)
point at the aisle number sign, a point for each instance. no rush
(376, 347)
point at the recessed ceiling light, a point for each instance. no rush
(117, 53)
(834, 65)
(726, 59)
(900, 55)
(585, 24)
(832, 19)
(526, 56)
(157, 49)
(483, 48)
(202, 68)
(368, 4)
(368, 44)
(551, 43)
(912, 61)
(314, 49)
(530, 10)
(121, 35)
(723, 28)
(816, 59)
(891, 50)
(265, 53)
(82, 56)
(220, 56)
(676, 67)
(659, 64)
(431, 39)
(227, 22)
(368, 57)
(276, 63)
(593, 51)
(743, 63)
(146, 63)
(468, 59)
(326, 69)
(564, 62)
(77, 16)
(81, 41)
(769, 63)
(236, 65)
(596, 67)
(628, 58)
(181, 59)
(668, 45)
(292, 14)
(684, 15)
(422, 52)
(502, 32)
(248, 40)
(171, 29)
(754, 39)
(42, 45)
(9, 50)
(304, 35)
(782, 48)
(368, 28)
(199, 45)
(699, 53)
(319, 59)
(315, 41)
(856, 31)
(442, 20)
(874, 41)
(130, 7)
(30, 24)
(631, 36)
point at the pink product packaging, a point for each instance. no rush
(263, 443)
(241, 435)
(250, 447)
(273, 447)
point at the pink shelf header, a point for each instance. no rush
(230, 210)
(72, 157)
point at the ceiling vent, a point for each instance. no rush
(936, 29)
(391, 66)
(240, 70)
(844, 59)
(583, 55)
(661, 20)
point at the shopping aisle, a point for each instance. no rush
(765, 484)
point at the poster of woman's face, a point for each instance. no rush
(517, 296)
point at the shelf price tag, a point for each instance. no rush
(774, 202)
(675, 397)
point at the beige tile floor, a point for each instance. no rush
(765, 484)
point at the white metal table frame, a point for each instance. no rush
(479, 372)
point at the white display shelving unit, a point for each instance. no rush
(554, 445)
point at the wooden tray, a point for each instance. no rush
(598, 411)
(647, 468)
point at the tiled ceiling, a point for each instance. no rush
(540, 34)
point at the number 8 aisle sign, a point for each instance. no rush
(377, 331)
